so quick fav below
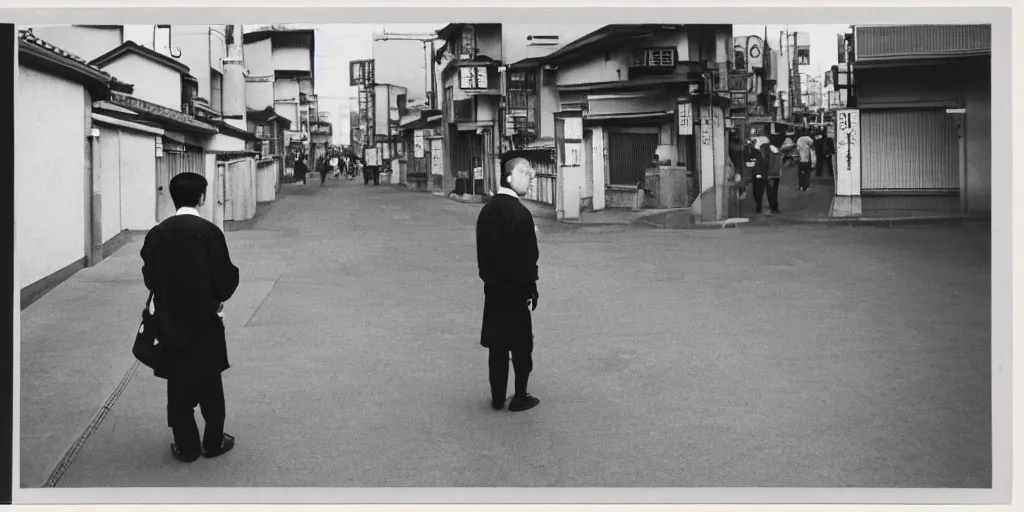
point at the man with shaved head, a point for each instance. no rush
(507, 254)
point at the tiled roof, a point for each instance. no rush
(26, 37)
(163, 113)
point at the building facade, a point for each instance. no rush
(281, 76)
(644, 94)
(920, 135)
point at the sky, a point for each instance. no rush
(336, 45)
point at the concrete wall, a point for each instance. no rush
(128, 178)
(153, 82)
(85, 42)
(259, 95)
(194, 42)
(50, 185)
(138, 180)
(290, 59)
(549, 104)
(978, 101)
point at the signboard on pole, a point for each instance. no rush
(686, 118)
(417, 144)
(435, 157)
(847, 152)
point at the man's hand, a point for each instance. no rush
(533, 301)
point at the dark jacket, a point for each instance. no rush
(755, 165)
(301, 169)
(507, 255)
(187, 265)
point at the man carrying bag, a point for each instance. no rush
(187, 267)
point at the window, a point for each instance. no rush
(261, 131)
(655, 58)
(517, 100)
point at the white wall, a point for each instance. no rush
(194, 42)
(110, 181)
(49, 185)
(153, 82)
(128, 177)
(290, 59)
(85, 42)
(259, 95)
(138, 180)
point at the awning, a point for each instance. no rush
(639, 83)
(636, 115)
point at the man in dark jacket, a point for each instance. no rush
(507, 254)
(301, 169)
(755, 169)
(187, 266)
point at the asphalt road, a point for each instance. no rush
(778, 356)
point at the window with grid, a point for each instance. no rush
(655, 58)
(517, 99)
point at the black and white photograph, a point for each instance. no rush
(510, 255)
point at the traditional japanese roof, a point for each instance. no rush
(35, 52)
(131, 47)
(427, 119)
(267, 115)
(162, 115)
(235, 132)
(608, 36)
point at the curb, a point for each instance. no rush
(886, 222)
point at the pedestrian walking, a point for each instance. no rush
(756, 172)
(805, 149)
(828, 150)
(507, 254)
(187, 266)
(773, 164)
(300, 169)
(324, 169)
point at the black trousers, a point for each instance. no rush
(804, 175)
(759, 186)
(323, 177)
(183, 395)
(824, 166)
(522, 363)
(773, 194)
(303, 178)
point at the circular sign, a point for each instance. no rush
(755, 51)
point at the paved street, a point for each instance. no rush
(781, 356)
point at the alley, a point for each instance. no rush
(782, 356)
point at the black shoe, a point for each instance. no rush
(776, 212)
(521, 404)
(226, 444)
(182, 457)
(498, 404)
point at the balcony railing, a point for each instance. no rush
(913, 41)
